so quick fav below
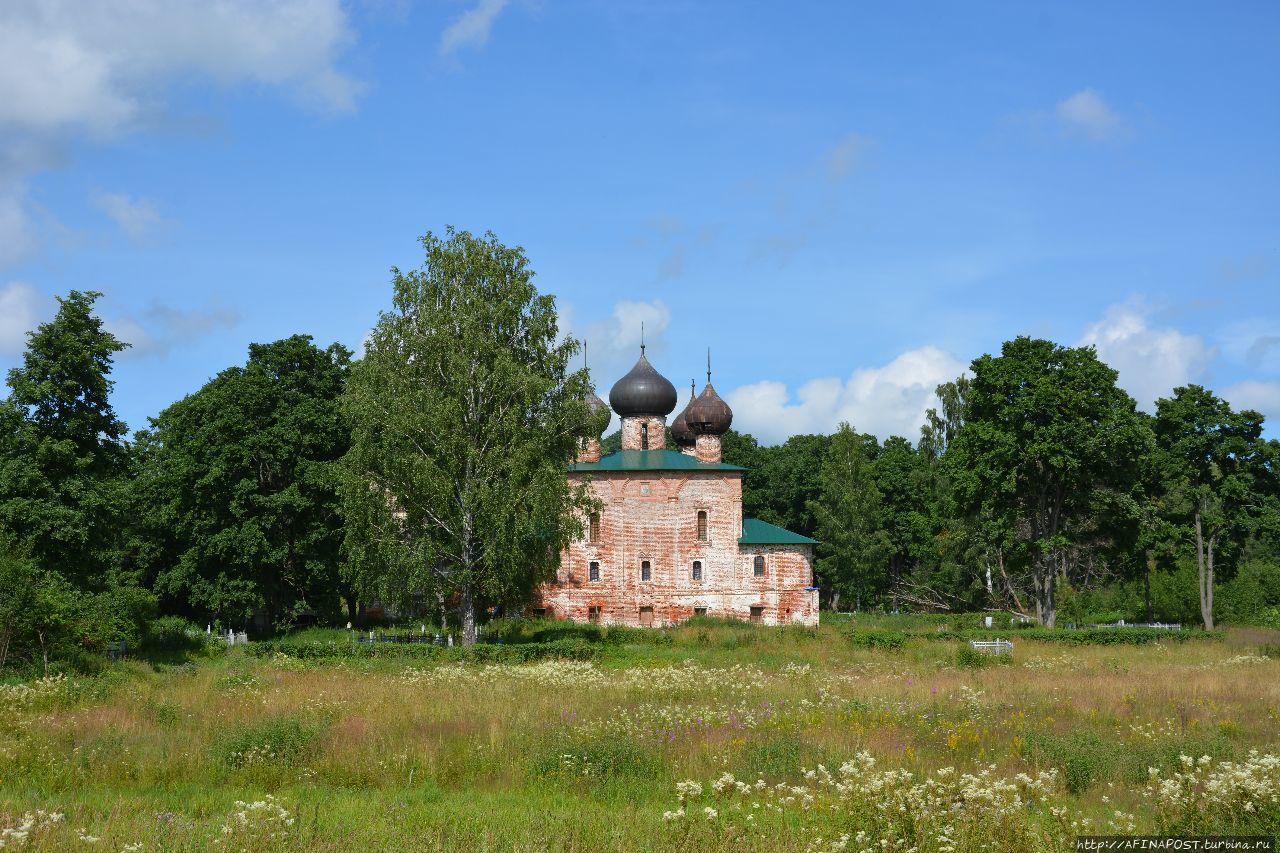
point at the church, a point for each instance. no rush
(668, 541)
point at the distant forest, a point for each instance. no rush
(1035, 487)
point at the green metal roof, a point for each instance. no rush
(757, 532)
(651, 460)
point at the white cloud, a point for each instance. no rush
(1151, 362)
(842, 159)
(1256, 394)
(136, 217)
(162, 328)
(885, 401)
(99, 64)
(20, 310)
(472, 28)
(1087, 113)
(102, 69)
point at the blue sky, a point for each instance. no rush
(845, 202)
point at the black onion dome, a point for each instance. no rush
(680, 432)
(708, 414)
(643, 391)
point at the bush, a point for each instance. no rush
(173, 634)
(877, 639)
(274, 741)
(968, 657)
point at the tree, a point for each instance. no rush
(62, 455)
(464, 419)
(850, 520)
(1212, 461)
(903, 479)
(238, 482)
(1048, 442)
(940, 430)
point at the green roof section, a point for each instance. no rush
(757, 532)
(651, 460)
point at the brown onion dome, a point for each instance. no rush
(680, 432)
(643, 391)
(708, 414)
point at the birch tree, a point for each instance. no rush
(464, 418)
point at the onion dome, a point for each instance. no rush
(680, 432)
(709, 415)
(643, 391)
(598, 414)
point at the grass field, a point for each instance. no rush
(712, 736)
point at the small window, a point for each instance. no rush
(644, 436)
(757, 614)
(699, 611)
(646, 571)
(702, 525)
(540, 612)
(758, 565)
(697, 570)
(644, 488)
(593, 614)
(593, 528)
(593, 571)
(646, 617)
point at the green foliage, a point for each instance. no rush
(238, 482)
(850, 519)
(1082, 757)
(1046, 462)
(877, 639)
(274, 741)
(173, 633)
(464, 417)
(62, 458)
(967, 657)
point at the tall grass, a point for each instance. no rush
(456, 751)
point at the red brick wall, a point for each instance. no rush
(631, 432)
(661, 526)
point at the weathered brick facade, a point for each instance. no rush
(652, 516)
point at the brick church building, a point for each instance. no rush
(669, 541)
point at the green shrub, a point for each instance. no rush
(584, 757)
(273, 741)
(1081, 756)
(877, 639)
(173, 633)
(967, 657)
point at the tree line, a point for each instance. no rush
(427, 475)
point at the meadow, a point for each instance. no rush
(884, 734)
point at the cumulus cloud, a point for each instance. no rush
(162, 328)
(1151, 361)
(136, 217)
(885, 401)
(1257, 394)
(843, 158)
(472, 28)
(20, 310)
(1088, 114)
(101, 70)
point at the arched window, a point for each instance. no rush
(697, 570)
(646, 571)
(644, 436)
(593, 571)
(758, 564)
(593, 528)
(702, 525)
